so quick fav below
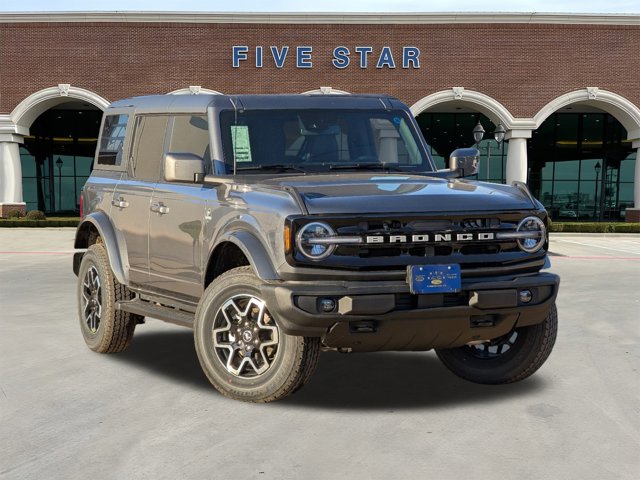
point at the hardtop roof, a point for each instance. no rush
(200, 102)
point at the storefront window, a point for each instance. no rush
(57, 158)
(581, 167)
(444, 132)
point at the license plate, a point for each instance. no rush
(434, 278)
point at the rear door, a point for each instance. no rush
(177, 215)
(132, 196)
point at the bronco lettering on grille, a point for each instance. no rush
(430, 238)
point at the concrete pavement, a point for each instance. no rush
(68, 413)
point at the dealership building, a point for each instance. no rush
(565, 89)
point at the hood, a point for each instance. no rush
(392, 193)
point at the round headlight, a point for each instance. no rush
(537, 234)
(313, 240)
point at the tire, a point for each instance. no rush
(508, 359)
(232, 320)
(105, 329)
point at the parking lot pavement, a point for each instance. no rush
(68, 413)
(624, 246)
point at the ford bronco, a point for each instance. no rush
(278, 226)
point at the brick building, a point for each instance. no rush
(565, 88)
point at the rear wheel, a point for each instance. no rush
(241, 347)
(507, 359)
(105, 329)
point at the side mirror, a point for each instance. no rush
(183, 167)
(464, 161)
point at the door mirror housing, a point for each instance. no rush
(464, 162)
(183, 167)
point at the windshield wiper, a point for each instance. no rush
(272, 167)
(367, 166)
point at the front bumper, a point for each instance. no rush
(372, 316)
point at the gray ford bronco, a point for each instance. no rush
(278, 226)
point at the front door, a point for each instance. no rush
(131, 204)
(177, 215)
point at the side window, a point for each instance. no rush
(112, 140)
(190, 134)
(148, 147)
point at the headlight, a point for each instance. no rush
(313, 240)
(533, 234)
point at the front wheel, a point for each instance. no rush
(242, 349)
(507, 359)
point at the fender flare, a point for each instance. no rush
(102, 224)
(254, 250)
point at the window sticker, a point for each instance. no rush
(241, 144)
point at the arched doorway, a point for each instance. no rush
(446, 129)
(581, 165)
(59, 128)
(581, 157)
(447, 119)
(57, 157)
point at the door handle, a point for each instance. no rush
(120, 203)
(160, 208)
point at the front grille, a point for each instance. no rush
(389, 243)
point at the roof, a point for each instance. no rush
(416, 18)
(200, 102)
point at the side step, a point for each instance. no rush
(155, 310)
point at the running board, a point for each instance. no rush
(154, 310)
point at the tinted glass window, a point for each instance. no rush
(148, 147)
(190, 134)
(112, 139)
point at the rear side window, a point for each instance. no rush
(148, 147)
(112, 140)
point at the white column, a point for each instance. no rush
(636, 181)
(517, 163)
(10, 172)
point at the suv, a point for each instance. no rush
(277, 226)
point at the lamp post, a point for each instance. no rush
(597, 168)
(59, 165)
(498, 135)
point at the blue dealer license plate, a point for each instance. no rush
(434, 278)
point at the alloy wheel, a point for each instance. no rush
(92, 299)
(245, 336)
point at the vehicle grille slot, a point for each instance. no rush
(429, 225)
(471, 223)
(480, 249)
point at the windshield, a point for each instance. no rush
(321, 140)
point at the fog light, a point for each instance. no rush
(525, 296)
(327, 305)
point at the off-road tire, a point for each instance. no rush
(530, 350)
(115, 328)
(295, 360)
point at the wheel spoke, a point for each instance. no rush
(496, 347)
(242, 332)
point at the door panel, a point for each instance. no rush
(175, 238)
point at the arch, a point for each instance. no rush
(326, 91)
(459, 96)
(37, 103)
(194, 90)
(622, 109)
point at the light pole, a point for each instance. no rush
(59, 165)
(597, 168)
(498, 135)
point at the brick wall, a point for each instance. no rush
(523, 66)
